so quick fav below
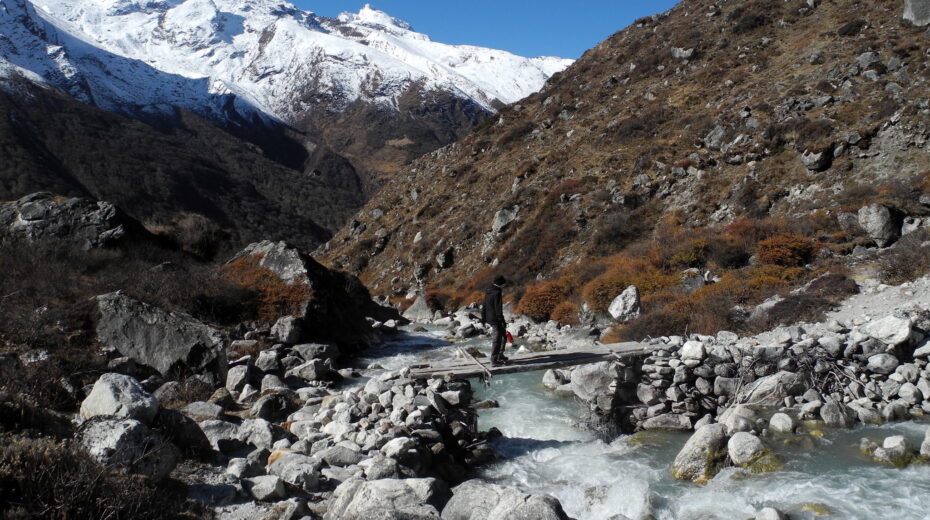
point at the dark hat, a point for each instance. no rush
(500, 280)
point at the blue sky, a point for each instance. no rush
(524, 27)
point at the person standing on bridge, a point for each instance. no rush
(492, 313)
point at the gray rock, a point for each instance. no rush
(380, 467)
(340, 456)
(156, 338)
(925, 445)
(398, 446)
(419, 312)
(287, 330)
(310, 351)
(119, 396)
(726, 386)
(87, 223)
(700, 458)
(223, 435)
(879, 223)
(237, 377)
(669, 421)
(817, 161)
(772, 390)
(590, 381)
(895, 450)
(917, 12)
(890, 330)
(396, 499)
(266, 488)
(202, 411)
(129, 445)
(268, 361)
(693, 350)
(313, 370)
(744, 448)
(241, 467)
(770, 513)
(503, 218)
(478, 500)
(883, 363)
(553, 379)
(836, 415)
(296, 469)
(782, 423)
(626, 305)
(738, 418)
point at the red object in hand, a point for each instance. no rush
(509, 338)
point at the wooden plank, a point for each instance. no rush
(530, 362)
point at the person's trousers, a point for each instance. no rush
(499, 338)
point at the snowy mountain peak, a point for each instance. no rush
(376, 19)
(266, 54)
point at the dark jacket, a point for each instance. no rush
(492, 310)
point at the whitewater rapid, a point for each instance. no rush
(547, 449)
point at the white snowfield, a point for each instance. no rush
(215, 56)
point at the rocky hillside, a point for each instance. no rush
(187, 175)
(683, 141)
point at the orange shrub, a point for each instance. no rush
(786, 249)
(565, 313)
(276, 297)
(540, 300)
(621, 273)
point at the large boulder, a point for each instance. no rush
(917, 12)
(336, 304)
(129, 445)
(772, 390)
(157, 338)
(701, 457)
(479, 500)
(388, 499)
(879, 223)
(626, 305)
(590, 381)
(890, 330)
(88, 223)
(119, 396)
(419, 311)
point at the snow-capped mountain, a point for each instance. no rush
(217, 56)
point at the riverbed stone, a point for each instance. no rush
(772, 390)
(700, 458)
(668, 421)
(770, 513)
(415, 498)
(744, 448)
(590, 381)
(479, 500)
(782, 423)
(836, 414)
(917, 12)
(895, 450)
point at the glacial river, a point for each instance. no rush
(545, 449)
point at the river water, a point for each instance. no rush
(546, 449)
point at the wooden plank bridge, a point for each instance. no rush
(468, 367)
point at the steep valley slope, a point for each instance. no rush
(680, 142)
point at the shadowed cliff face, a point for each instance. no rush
(696, 118)
(51, 142)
